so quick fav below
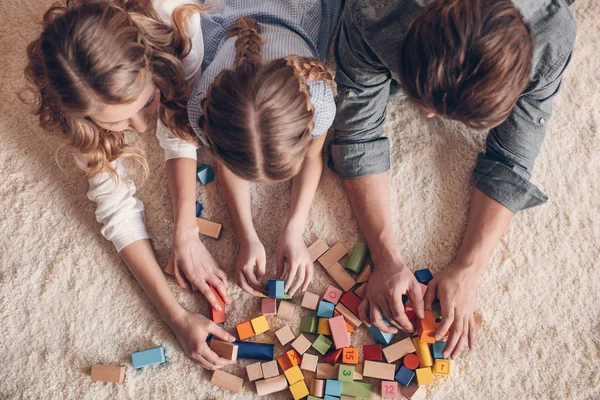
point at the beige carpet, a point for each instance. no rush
(67, 301)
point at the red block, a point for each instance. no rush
(411, 361)
(351, 301)
(373, 352)
(411, 314)
(218, 317)
(332, 357)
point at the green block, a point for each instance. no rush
(357, 389)
(322, 344)
(357, 258)
(286, 296)
(308, 324)
(346, 373)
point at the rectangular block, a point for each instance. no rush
(379, 370)
(271, 385)
(310, 301)
(333, 387)
(317, 387)
(317, 249)
(341, 277)
(254, 371)
(308, 324)
(268, 306)
(404, 375)
(293, 375)
(373, 352)
(270, 369)
(357, 258)
(286, 310)
(389, 390)
(424, 376)
(423, 353)
(255, 351)
(332, 294)
(357, 389)
(144, 358)
(332, 255)
(284, 335)
(325, 309)
(351, 302)
(426, 327)
(275, 289)
(209, 228)
(323, 328)
(227, 381)
(218, 317)
(245, 330)
(414, 392)
(107, 373)
(350, 355)
(379, 336)
(441, 367)
(301, 344)
(299, 390)
(309, 362)
(352, 319)
(326, 371)
(322, 344)
(398, 350)
(224, 350)
(365, 274)
(346, 373)
(341, 338)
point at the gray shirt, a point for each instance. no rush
(366, 52)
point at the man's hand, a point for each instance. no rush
(456, 288)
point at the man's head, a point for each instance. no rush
(467, 60)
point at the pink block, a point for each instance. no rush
(269, 306)
(389, 390)
(332, 295)
(341, 338)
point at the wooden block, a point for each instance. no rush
(294, 357)
(341, 277)
(284, 335)
(308, 324)
(341, 338)
(143, 358)
(326, 371)
(332, 294)
(358, 372)
(325, 309)
(227, 381)
(299, 390)
(372, 352)
(254, 371)
(351, 301)
(357, 258)
(284, 362)
(270, 369)
(317, 249)
(332, 255)
(293, 374)
(478, 321)
(441, 367)
(423, 276)
(317, 387)
(332, 357)
(309, 362)
(301, 344)
(357, 389)
(389, 390)
(224, 350)
(245, 330)
(346, 373)
(437, 349)
(404, 375)
(209, 228)
(423, 353)
(218, 317)
(411, 361)
(424, 376)
(361, 290)
(379, 370)
(352, 319)
(350, 355)
(426, 327)
(271, 385)
(260, 325)
(413, 392)
(286, 310)
(107, 373)
(349, 327)
(323, 327)
(365, 274)
(398, 350)
(310, 301)
(268, 306)
(322, 344)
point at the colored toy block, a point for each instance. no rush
(379, 370)
(271, 385)
(424, 376)
(254, 371)
(365, 274)
(426, 327)
(379, 336)
(227, 381)
(218, 317)
(350, 355)
(423, 353)
(107, 373)
(255, 351)
(398, 350)
(326, 371)
(357, 389)
(332, 255)
(358, 370)
(309, 362)
(340, 335)
(323, 328)
(270, 369)
(389, 390)
(260, 324)
(299, 390)
(361, 290)
(423, 276)
(441, 367)
(328, 397)
(411, 315)
(346, 373)
(224, 350)
(350, 318)
(351, 302)
(209, 228)
(325, 309)
(333, 387)
(404, 375)
(308, 324)
(372, 352)
(414, 392)
(411, 361)
(286, 310)
(284, 362)
(245, 330)
(293, 374)
(275, 289)
(310, 301)
(313, 398)
(317, 249)
(268, 306)
(205, 174)
(198, 209)
(294, 357)
(332, 294)
(332, 357)
(341, 277)
(301, 344)
(322, 344)
(437, 349)
(357, 258)
(317, 387)
(284, 335)
(144, 358)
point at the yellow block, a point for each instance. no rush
(323, 328)
(260, 324)
(299, 390)
(441, 367)
(424, 376)
(423, 353)
(293, 375)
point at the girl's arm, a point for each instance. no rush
(250, 265)
(291, 246)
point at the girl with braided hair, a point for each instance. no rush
(263, 105)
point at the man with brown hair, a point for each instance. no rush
(491, 64)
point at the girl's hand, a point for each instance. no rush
(191, 330)
(291, 248)
(194, 267)
(250, 265)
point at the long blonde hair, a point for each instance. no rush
(95, 53)
(258, 117)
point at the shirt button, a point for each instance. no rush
(542, 120)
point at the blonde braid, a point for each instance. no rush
(311, 69)
(248, 45)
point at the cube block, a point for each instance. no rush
(275, 289)
(351, 301)
(284, 335)
(310, 301)
(245, 330)
(441, 367)
(404, 375)
(299, 390)
(346, 373)
(309, 362)
(286, 310)
(423, 276)
(424, 376)
(205, 174)
(373, 352)
(333, 387)
(332, 294)
(301, 344)
(308, 325)
(322, 344)
(389, 390)
(268, 306)
(325, 309)
(260, 325)
(293, 375)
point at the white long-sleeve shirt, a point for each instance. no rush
(117, 208)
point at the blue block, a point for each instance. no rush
(381, 337)
(325, 309)
(437, 348)
(404, 375)
(144, 358)
(198, 209)
(255, 351)
(275, 289)
(205, 174)
(423, 276)
(333, 387)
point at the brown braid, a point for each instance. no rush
(311, 69)
(248, 44)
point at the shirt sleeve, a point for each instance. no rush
(119, 211)
(174, 147)
(322, 99)
(363, 85)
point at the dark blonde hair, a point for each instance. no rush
(468, 60)
(95, 53)
(258, 117)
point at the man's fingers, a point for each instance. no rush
(300, 277)
(363, 311)
(416, 297)
(430, 294)
(310, 272)
(455, 334)
(210, 296)
(399, 315)
(447, 319)
(377, 320)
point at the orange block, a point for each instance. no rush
(284, 362)
(218, 317)
(426, 327)
(350, 355)
(294, 357)
(245, 330)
